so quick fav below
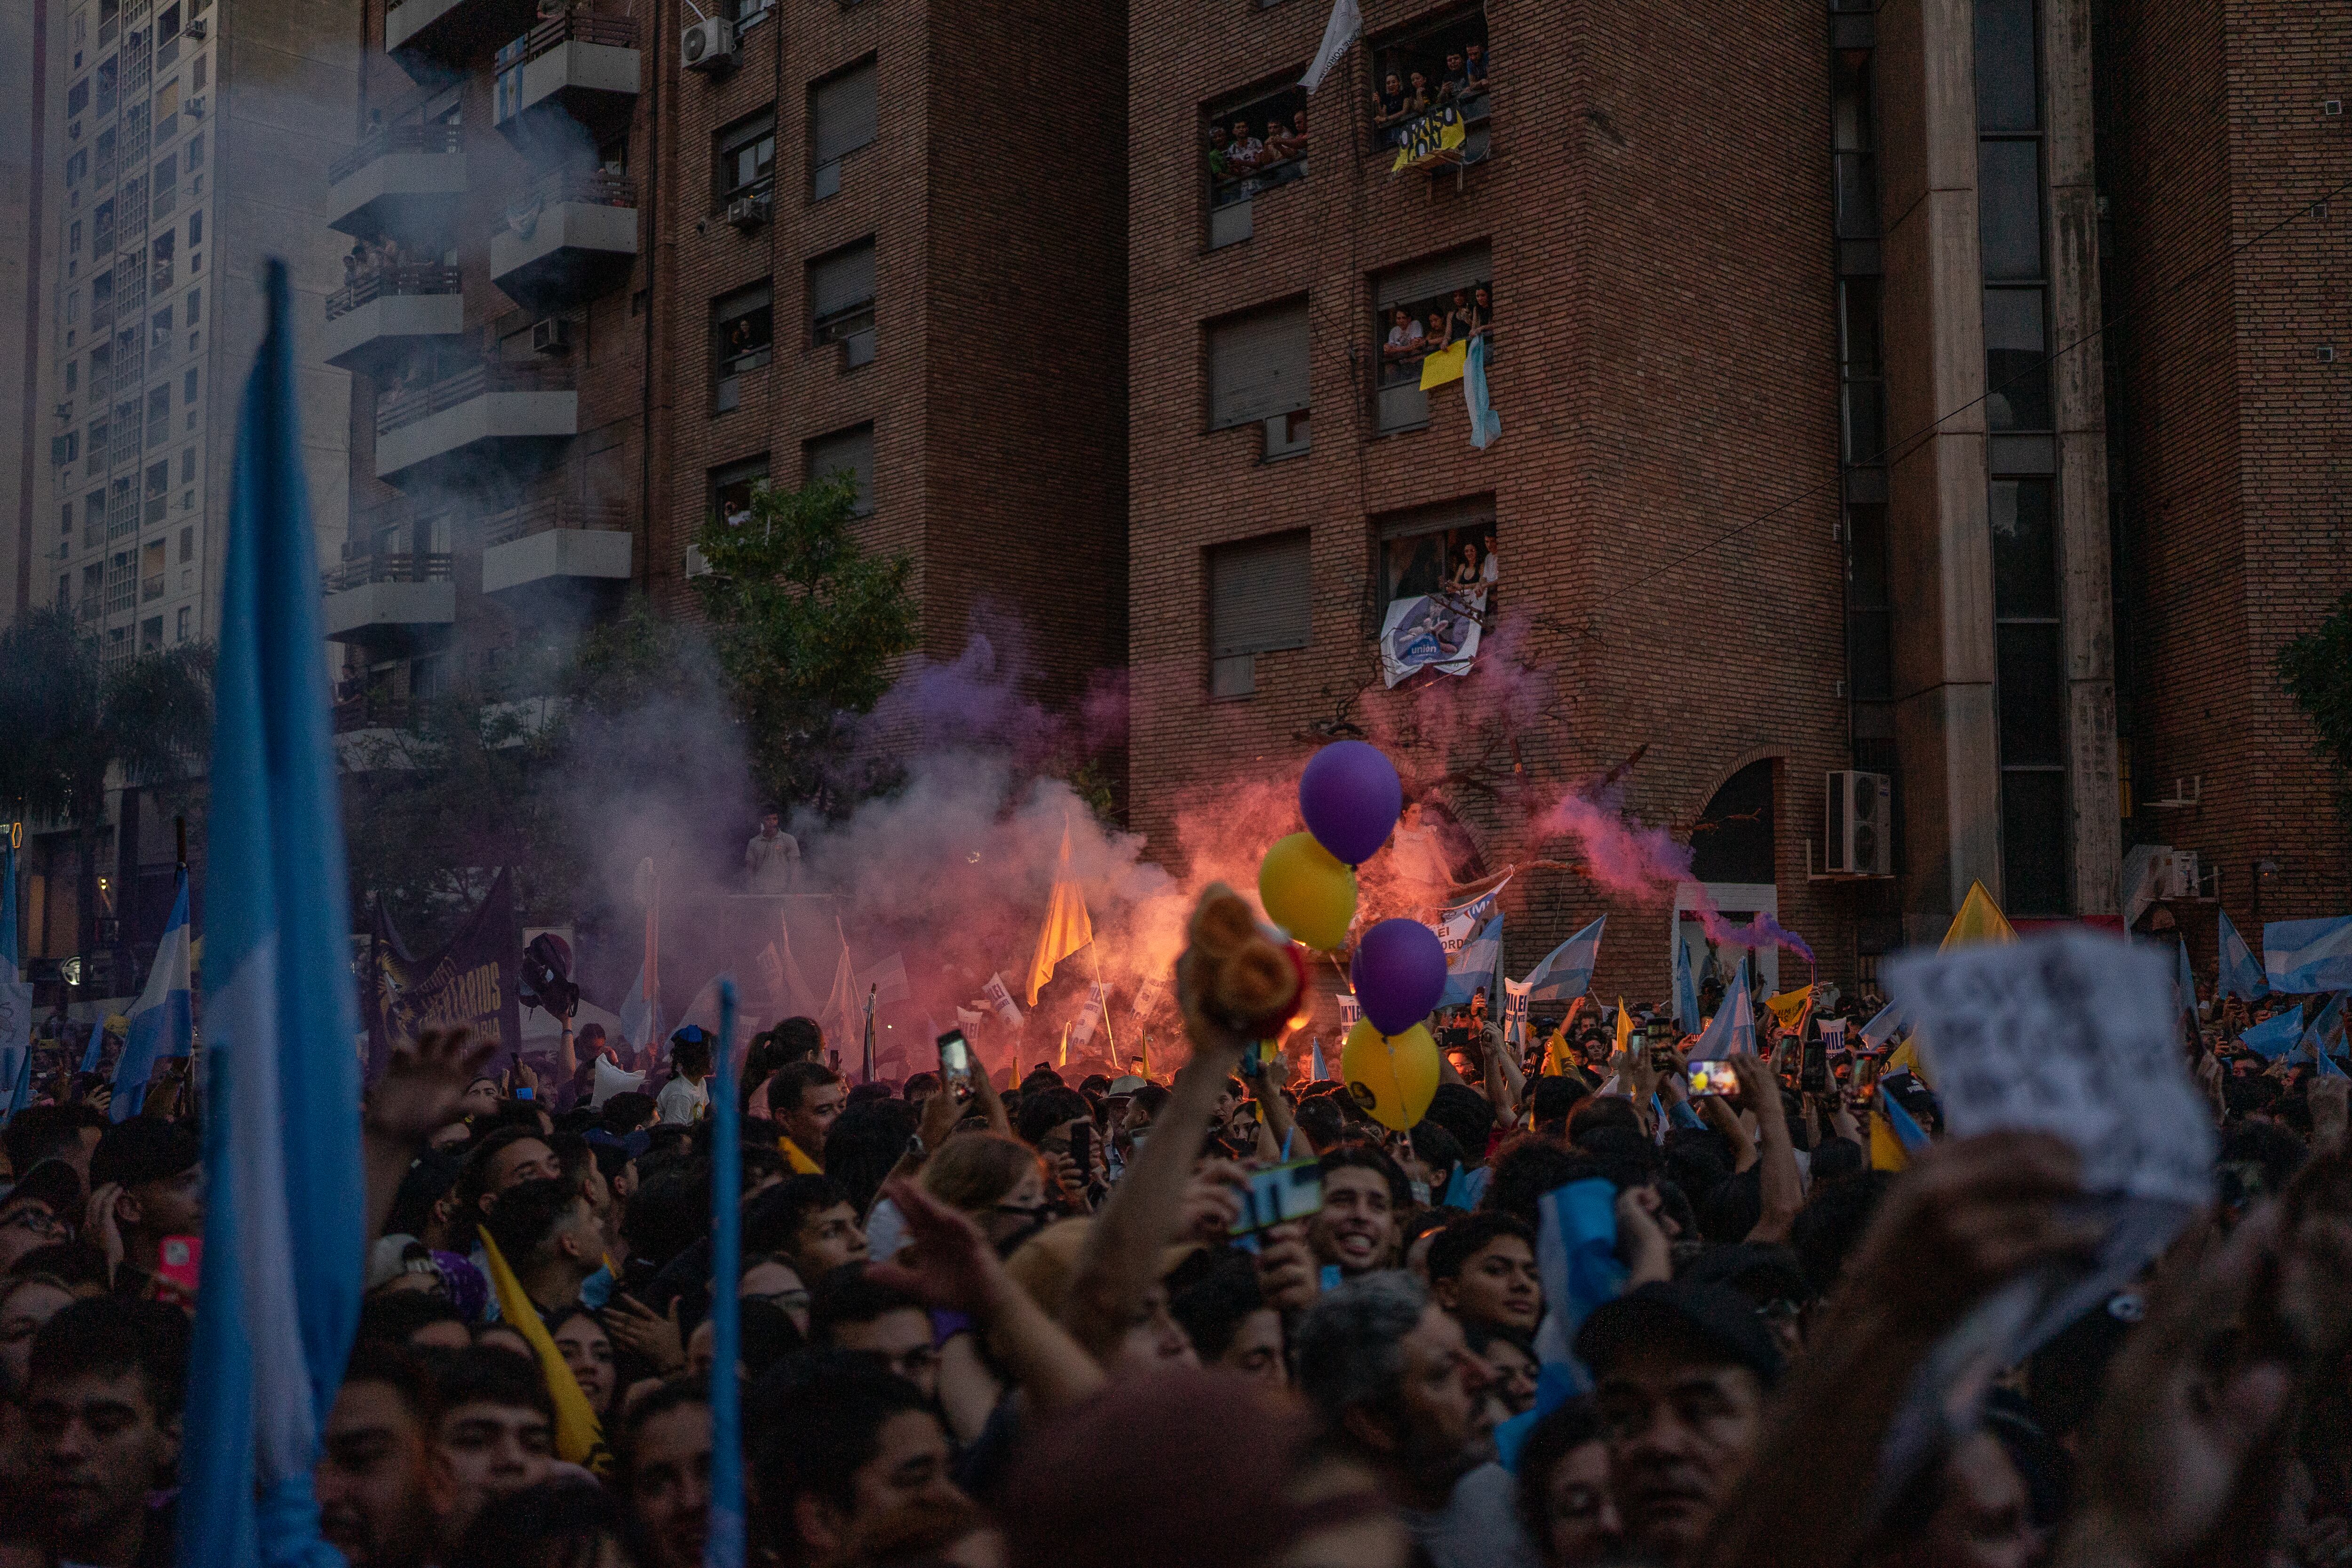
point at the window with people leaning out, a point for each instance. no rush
(1256, 144)
(1426, 316)
(1430, 91)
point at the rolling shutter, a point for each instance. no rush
(1259, 596)
(1257, 366)
(844, 113)
(1435, 278)
(842, 281)
(851, 450)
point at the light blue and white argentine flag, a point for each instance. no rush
(1473, 966)
(1732, 1030)
(162, 1023)
(1566, 971)
(1883, 1025)
(2275, 1036)
(2241, 975)
(1686, 988)
(1454, 924)
(283, 1250)
(15, 997)
(2300, 957)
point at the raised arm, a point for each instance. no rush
(422, 1091)
(1784, 1189)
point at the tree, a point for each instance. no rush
(804, 626)
(75, 727)
(2316, 670)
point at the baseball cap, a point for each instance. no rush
(54, 1182)
(1126, 1085)
(144, 1150)
(1713, 1322)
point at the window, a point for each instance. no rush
(1257, 366)
(188, 466)
(1853, 145)
(167, 24)
(195, 155)
(78, 167)
(159, 415)
(747, 157)
(743, 338)
(123, 508)
(150, 635)
(1869, 606)
(159, 340)
(745, 12)
(1735, 840)
(78, 97)
(180, 630)
(106, 73)
(73, 237)
(159, 489)
(1253, 144)
(1863, 370)
(65, 592)
(1433, 66)
(122, 580)
(1260, 601)
(202, 75)
(195, 231)
(187, 545)
(850, 452)
(93, 514)
(731, 487)
(841, 301)
(65, 520)
(195, 306)
(1421, 552)
(842, 117)
(1418, 307)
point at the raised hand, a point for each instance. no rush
(636, 1328)
(946, 1261)
(424, 1087)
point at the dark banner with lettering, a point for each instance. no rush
(468, 984)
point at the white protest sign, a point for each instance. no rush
(2070, 1033)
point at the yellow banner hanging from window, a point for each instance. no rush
(1443, 367)
(1429, 137)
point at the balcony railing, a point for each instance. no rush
(406, 277)
(596, 188)
(612, 32)
(398, 566)
(367, 711)
(538, 517)
(390, 139)
(405, 406)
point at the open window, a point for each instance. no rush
(1437, 576)
(1431, 83)
(1427, 309)
(1253, 143)
(743, 338)
(841, 303)
(731, 487)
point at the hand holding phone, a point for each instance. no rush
(955, 1060)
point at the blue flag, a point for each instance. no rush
(284, 1258)
(1474, 967)
(2274, 1036)
(1686, 989)
(2240, 974)
(2184, 978)
(723, 1542)
(1316, 1060)
(1908, 1131)
(2325, 1028)
(1732, 1031)
(1882, 1025)
(1566, 971)
(94, 1052)
(15, 997)
(1576, 1257)
(1484, 423)
(163, 1022)
(2300, 957)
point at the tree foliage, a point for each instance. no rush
(803, 624)
(2316, 670)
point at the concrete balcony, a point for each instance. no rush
(492, 418)
(390, 601)
(578, 239)
(575, 68)
(582, 549)
(374, 321)
(407, 180)
(433, 38)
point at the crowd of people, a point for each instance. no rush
(1241, 163)
(1412, 89)
(998, 1321)
(1414, 335)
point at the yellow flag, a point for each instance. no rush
(1790, 1006)
(1444, 366)
(1066, 927)
(1906, 1058)
(579, 1439)
(1430, 136)
(1555, 1062)
(801, 1163)
(1980, 921)
(1624, 1031)
(1887, 1151)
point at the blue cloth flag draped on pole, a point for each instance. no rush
(1566, 971)
(2300, 957)
(723, 1541)
(1733, 1028)
(94, 1052)
(1473, 967)
(1882, 1025)
(1686, 989)
(15, 997)
(2184, 978)
(2274, 1036)
(283, 1259)
(2241, 974)
(163, 1022)
(2326, 1032)
(1486, 424)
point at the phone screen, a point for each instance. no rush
(1712, 1078)
(179, 1263)
(1280, 1193)
(955, 1057)
(1814, 1075)
(1082, 1152)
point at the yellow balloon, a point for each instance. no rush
(1307, 892)
(1393, 1076)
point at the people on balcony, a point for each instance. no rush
(1389, 112)
(1404, 342)
(1410, 90)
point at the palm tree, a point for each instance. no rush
(68, 723)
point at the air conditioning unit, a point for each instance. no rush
(197, 108)
(1861, 825)
(2180, 879)
(748, 213)
(551, 336)
(199, 28)
(710, 45)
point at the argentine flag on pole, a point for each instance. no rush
(15, 997)
(94, 1052)
(163, 1024)
(2300, 957)
(1566, 971)
(1473, 966)
(1733, 1028)
(1686, 989)
(2242, 974)
(283, 1257)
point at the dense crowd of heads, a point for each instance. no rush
(1017, 1320)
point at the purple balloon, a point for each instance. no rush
(1399, 973)
(1351, 797)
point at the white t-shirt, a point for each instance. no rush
(1404, 336)
(681, 1100)
(773, 862)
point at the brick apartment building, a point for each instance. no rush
(1737, 255)
(2233, 432)
(629, 284)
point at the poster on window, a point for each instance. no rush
(1431, 631)
(1428, 138)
